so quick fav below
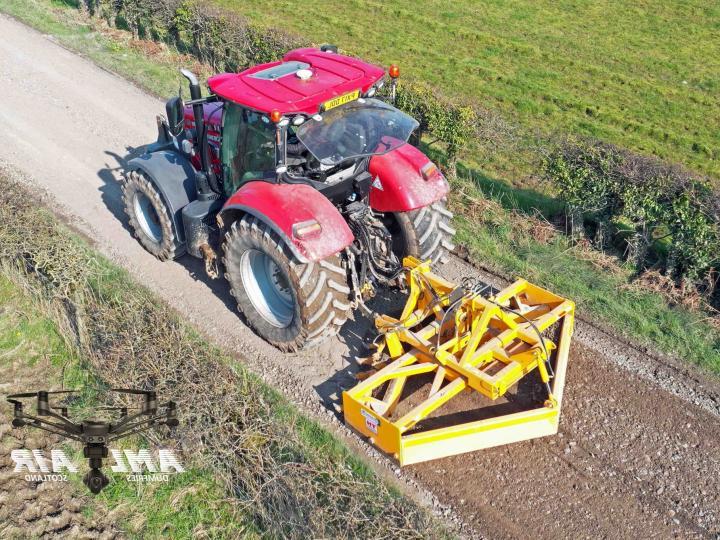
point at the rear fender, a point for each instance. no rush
(282, 206)
(398, 183)
(174, 177)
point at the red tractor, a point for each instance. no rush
(302, 178)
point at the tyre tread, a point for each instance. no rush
(432, 231)
(324, 302)
(169, 247)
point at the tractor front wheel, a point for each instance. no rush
(288, 303)
(149, 217)
(424, 233)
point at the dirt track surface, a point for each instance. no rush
(637, 455)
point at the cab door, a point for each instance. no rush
(248, 147)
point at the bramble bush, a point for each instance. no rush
(657, 200)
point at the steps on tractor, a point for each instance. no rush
(453, 341)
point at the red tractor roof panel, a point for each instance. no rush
(276, 85)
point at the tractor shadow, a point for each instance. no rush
(357, 335)
(111, 194)
(110, 191)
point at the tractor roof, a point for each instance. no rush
(283, 86)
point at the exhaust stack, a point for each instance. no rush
(206, 179)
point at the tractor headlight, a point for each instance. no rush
(371, 92)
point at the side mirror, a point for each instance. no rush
(175, 114)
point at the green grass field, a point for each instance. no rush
(642, 74)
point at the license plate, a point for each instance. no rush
(341, 100)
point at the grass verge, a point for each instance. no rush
(501, 235)
(287, 476)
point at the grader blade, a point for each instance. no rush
(457, 345)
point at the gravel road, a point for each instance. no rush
(637, 455)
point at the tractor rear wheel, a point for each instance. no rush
(288, 303)
(149, 217)
(424, 233)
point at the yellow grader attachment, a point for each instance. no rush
(452, 339)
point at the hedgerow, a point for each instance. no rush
(656, 200)
(582, 176)
(453, 124)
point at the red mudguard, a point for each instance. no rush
(398, 184)
(282, 206)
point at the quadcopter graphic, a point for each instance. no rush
(95, 434)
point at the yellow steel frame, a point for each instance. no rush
(483, 344)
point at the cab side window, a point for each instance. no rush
(248, 148)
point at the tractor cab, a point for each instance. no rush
(248, 150)
(305, 118)
(321, 150)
